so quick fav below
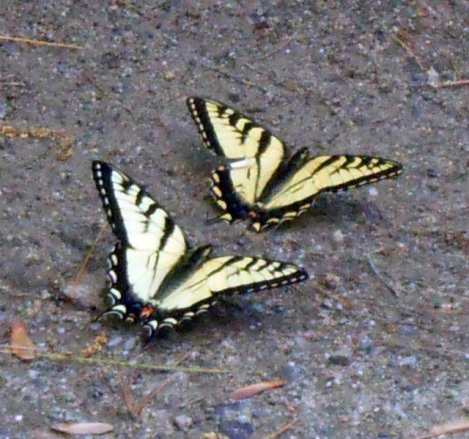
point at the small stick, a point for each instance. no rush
(40, 42)
(283, 429)
(376, 272)
(440, 430)
(136, 409)
(178, 362)
(70, 356)
(156, 391)
(408, 49)
(128, 399)
(87, 257)
(12, 84)
(235, 78)
(447, 84)
(286, 40)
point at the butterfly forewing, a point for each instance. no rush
(231, 274)
(153, 243)
(331, 173)
(256, 152)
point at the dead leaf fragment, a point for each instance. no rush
(20, 343)
(213, 435)
(83, 428)
(96, 346)
(453, 427)
(254, 389)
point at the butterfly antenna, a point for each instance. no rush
(99, 317)
(214, 219)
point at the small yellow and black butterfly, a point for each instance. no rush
(153, 277)
(259, 183)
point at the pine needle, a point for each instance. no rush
(40, 42)
(104, 362)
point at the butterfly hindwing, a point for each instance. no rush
(332, 173)
(260, 184)
(153, 279)
(226, 196)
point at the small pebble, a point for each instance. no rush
(169, 75)
(338, 236)
(342, 357)
(183, 422)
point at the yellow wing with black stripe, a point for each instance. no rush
(296, 194)
(254, 152)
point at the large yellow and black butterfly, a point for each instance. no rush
(153, 278)
(258, 182)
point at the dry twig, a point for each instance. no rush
(73, 284)
(156, 391)
(281, 430)
(39, 42)
(64, 140)
(399, 41)
(285, 41)
(236, 78)
(376, 272)
(104, 362)
(448, 84)
(453, 427)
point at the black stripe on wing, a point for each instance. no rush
(201, 117)
(299, 275)
(107, 188)
(226, 197)
(394, 170)
(102, 173)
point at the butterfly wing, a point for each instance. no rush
(220, 276)
(150, 243)
(324, 173)
(256, 152)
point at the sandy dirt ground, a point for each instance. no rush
(374, 345)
